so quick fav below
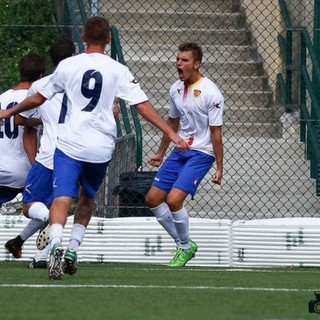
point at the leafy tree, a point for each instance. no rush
(25, 26)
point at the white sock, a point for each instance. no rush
(76, 237)
(181, 221)
(164, 217)
(30, 229)
(38, 210)
(56, 234)
(42, 254)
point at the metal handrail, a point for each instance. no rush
(285, 45)
(310, 119)
(73, 21)
(116, 52)
(309, 114)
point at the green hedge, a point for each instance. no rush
(25, 26)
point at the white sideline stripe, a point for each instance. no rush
(258, 270)
(106, 286)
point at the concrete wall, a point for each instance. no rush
(264, 19)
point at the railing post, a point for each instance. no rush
(316, 42)
(303, 59)
(286, 51)
(116, 51)
(289, 71)
(315, 75)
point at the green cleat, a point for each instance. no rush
(70, 262)
(182, 256)
(172, 261)
(55, 271)
(194, 247)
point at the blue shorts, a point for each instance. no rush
(183, 170)
(38, 185)
(8, 193)
(68, 173)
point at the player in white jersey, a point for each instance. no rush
(14, 158)
(38, 192)
(91, 81)
(196, 107)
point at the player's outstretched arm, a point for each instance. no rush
(28, 103)
(157, 158)
(30, 142)
(216, 138)
(27, 122)
(146, 110)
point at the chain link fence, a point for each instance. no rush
(267, 171)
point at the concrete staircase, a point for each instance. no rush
(265, 173)
(150, 34)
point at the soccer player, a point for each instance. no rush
(38, 192)
(18, 144)
(91, 81)
(196, 105)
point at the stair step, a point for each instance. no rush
(265, 129)
(211, 53)
(236, 99)
(224, 83)
(248, 148)
(175, 19)
(272, 168)
(236, 129)
(242, 114)
(249, 114)
(172, 36)
(262, 148)
(176, 5)
(211, 69)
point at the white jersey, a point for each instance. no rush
(14, 162)
(49, 113)
(198, 106)
(91, 82)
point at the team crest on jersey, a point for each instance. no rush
(196, 93)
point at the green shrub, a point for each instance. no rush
(25, 26)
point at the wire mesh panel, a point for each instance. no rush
(266, 174)
(108, 201)
(267, 171)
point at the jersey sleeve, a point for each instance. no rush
(216, 106)
(129, 89)
(173, 110)
(32, 113)
(55, 84)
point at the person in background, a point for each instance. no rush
(38, 191)
(18, 145)
(91, 81)
(196, 106)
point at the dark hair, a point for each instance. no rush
(61, 49)
(97, 30)
(32, 66)
(194, 47)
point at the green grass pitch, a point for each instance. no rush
(155, 292)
